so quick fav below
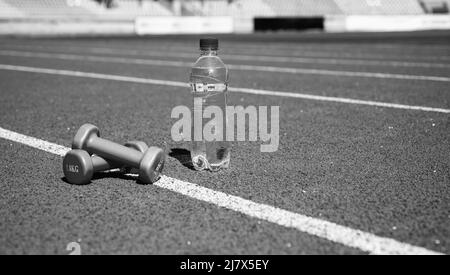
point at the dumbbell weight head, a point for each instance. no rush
(79, 167)
(151, 165)
(83, 135)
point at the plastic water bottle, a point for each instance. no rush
(209, 82)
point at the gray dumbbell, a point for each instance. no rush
(150, 163)
(79, 167)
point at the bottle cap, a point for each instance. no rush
(209, 43)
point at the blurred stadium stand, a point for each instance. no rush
(290, 8)
(46, 8)
(235, 8)
(123, 9)
(247, 15)
(127, 9)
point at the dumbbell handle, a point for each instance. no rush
(101, 164)
(114, 151)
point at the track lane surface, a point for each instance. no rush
(242, 183)
(415, 46)
(383, 171)
(384, 90)
(117, 216)
(339, 64)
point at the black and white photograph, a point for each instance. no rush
(225, 134)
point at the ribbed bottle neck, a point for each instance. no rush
(208, 53)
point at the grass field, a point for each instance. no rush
(363, 164)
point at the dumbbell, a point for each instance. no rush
(150, 163)
(79, 167)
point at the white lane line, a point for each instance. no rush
(239, 57)
(354, 238)
(93, 58)
(339, 49)
(231, 89)
(309, 60)
(340, 100)
(339, 73)
(272, 69)
(34, 142)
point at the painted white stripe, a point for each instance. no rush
(93, 58)
(354, 238)
(34, 142)
(337, 48)
(231, 89)
(339, 73)
(272, 69)
(239, 57)
(339, 99)
(323, 61)
(93, 75)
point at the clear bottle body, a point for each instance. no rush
(209, 82)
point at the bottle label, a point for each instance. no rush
(206, 88)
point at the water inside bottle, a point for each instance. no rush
(210, 155)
